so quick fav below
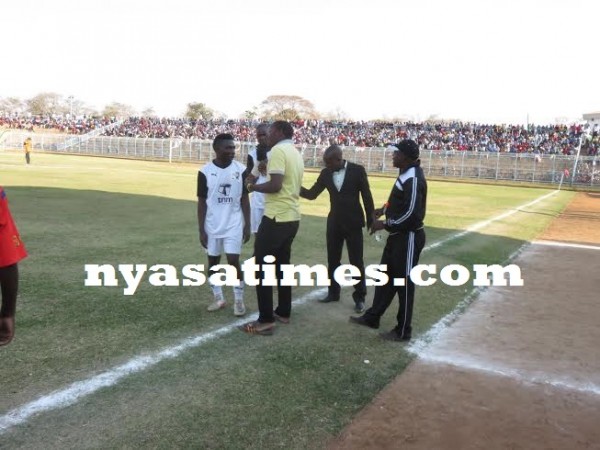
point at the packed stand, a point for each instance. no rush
(61, 124)
(446, 136)
(451, 136)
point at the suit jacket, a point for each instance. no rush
(346, 209)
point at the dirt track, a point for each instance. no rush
(520, 369)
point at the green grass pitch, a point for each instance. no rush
(296, 389)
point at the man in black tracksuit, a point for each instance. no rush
(404, 214)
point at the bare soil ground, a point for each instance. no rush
(579, 223)
(519, 370)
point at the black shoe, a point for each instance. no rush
(359, 307)
(394, 336)
(329, 299)
(362, 320)
(359, 302)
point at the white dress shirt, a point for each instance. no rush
(338, 177)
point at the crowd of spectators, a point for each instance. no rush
(547, 139)
(58, 123)
(154, 127)
(455, 136)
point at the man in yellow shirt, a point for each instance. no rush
(279, 224)
(27, 149)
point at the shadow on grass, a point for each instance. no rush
(301, 386)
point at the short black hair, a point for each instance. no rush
(285, 127)
(222, 137)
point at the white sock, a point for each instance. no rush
(238, 292)
(217, 292)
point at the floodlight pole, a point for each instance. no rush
(71, 98)
(577, 158)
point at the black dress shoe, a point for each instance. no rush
(359, 307)
(329, 299)
(394, 336)
(362, 320)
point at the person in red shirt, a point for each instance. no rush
(12, 251)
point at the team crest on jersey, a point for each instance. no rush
(235, 176)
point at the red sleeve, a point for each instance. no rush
(12, 249)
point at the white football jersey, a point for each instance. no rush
(224, 215)
(257, 199)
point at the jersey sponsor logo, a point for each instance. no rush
(224, 189)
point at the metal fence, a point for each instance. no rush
(520, 167)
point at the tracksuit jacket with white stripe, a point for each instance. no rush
(407, 202)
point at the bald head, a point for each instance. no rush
(333, 158)
(333, 150)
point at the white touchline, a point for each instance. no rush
(71, 394)
(526, 376)
(420, 348)
(485, 223)
(567, 244)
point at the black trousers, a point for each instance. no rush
(337, 234)
(401, 254)
(274, 238)
(9, 285)
(27, 158)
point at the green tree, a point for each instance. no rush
(12, 105)
(250, 114)
(196, 110)
(75, 107)
(46, 103)
(149, 112)
(287, 107)
(116, 109)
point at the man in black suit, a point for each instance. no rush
(344, 181)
